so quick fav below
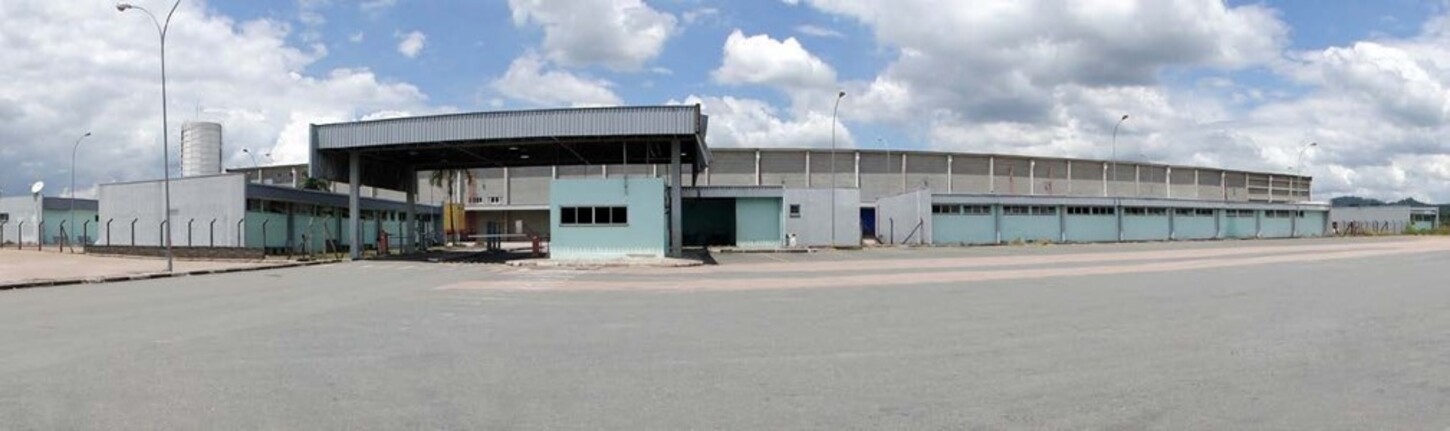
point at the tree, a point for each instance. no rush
(311, 183)
(448, 180)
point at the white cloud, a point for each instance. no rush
(761, 59)
(618, 34)
(737, 122)
(355, 37)
(376, 7)
(529, 79)
(411, 44)
(244, 75)
(697, 15)
(818, 31)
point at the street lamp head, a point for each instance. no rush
(122, 7)
(1313, 144)
(840, 94)
(87, 134)
(244, 150)
(1125, 117)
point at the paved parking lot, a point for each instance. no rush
(1322, 334)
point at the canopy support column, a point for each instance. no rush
(354, 216)
(677, 235)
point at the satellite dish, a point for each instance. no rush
(37, 187)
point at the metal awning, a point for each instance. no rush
(391, 148)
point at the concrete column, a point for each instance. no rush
(603, 172)
(677, 235)
(1105, 178)
(676, 154)
(1118, 209)
(1137, 181)
(1197, 191)
(354, 216)
(1032, 177)
(508, 198)
(950, 186)
(1223, 183)
(410, 219)
(808, 169)
(997, 221)
(1271, 188)
(1069, 177)
(1172, 224)
(857, 169)
(992, 181)
(1168, 181)
(904, 186)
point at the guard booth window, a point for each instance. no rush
(593, 216)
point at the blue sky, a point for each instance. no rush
(469, 42)
(1222, 83)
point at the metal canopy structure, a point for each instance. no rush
(579, 136)
(388, 153)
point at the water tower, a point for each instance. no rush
(201, 148)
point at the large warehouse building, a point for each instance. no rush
(640, 181)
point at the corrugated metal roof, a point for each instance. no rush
(314, 197)
(515, 125)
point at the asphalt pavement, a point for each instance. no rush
(1245, 335)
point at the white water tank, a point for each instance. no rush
(201, 148)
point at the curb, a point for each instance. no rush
(153, 275)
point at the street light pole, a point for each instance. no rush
(73, 149)
(1299, 167)
(161, 29)
(255, 167)
(1115, 146)
(1294, 188)
(839, 95)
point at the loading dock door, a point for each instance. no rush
(709, 222)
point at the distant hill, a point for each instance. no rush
(1355, 201)
(1411, 202)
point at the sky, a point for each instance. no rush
(1233, 84)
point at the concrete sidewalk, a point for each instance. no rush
(29, 268)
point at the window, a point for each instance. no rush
(1203, 212)
(1140, 211)
(4, 217)
(1238, 213)
(961, 209)
(1183, 212)
(494, 200)
(593, 216)
(1036, 210)
(1098, 211)
(795, 211)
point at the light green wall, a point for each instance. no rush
(53, 218)
(1277, 227)
(276, 229)
(1030, 228)
(1312, 224)
(962, 229)
(1092, 228)
(1194, 227)
(757, 223)
(1238, 227)
(645, 235)
(1145, 228)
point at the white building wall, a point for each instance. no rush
(222, 197)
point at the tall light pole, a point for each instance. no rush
(1115, 146)
(165, 142)
(73, 149)
(839, 95)
(1299, 168)
(255, 167)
